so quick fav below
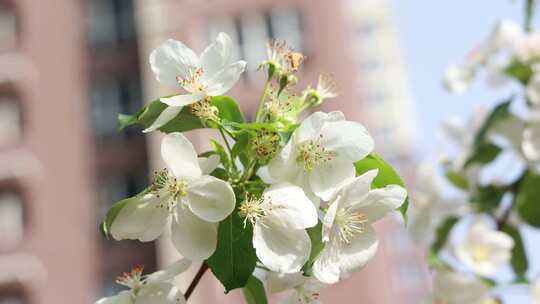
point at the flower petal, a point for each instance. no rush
(172, 59)
(348, 139)
(169, 273)
(193, 237)
(326, 266)
(531, 142)
(160, 293)
(312, 125)
(124, 297)
(164, 117)
(180, 156)
(358, 188)
(279, 249)
(140, 219)
(217, 55)
(381, 201)
(330, 176)
(278, 282)
(284, 167)
(290, 207)
(210, 198)
(358, 252)
(182, 100)
(225, 79)
(208, 164)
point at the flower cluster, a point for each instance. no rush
(474, 231)
(293, 199)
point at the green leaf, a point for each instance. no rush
(387, 176)
(234, 260)
(501, 111)
(457, 179)
(519, 261)
(520, 71)
(228, 108)
(317, 245)
(112, 213)
(184, 121)
(254, 292)
(528, 200)
(488, 198)
(483, 153)
(443, 231)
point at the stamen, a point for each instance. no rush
(281, 55)
(265, 144)
(479, 253)
(131, 279)
(251, 210)
(192, 83)
(205, 110)
(350, 224)
(166, 183)
(312, 154)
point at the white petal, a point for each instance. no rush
(208, 164)
(193, 237)
(140, 219)
(180, 156)
(284, 167)
(217, 55)
(182, 100)
(164, 117)
(169, 273)
(278, 282)
(225, 79)
(531, 142)
(312, 125)
(380, 202)
(329, 218)
(326, 266)
(124, 297)
(348, 139)
(330, 176)
(358, 188)
(279, 249)
(456, 288)
(359, 251)
(457, 79)
(172, 59)
(290, 207)
(210, 198)
(535, 291)
(160, 293)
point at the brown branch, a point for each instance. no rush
(196, 280)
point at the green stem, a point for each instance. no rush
(263, 97)
(249, 171)
(529, 13)
(228, 147)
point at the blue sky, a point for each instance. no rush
(433, 35)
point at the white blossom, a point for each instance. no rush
(484, 249)
(211, 74)
(184, 194)
(350, 240)
(456, 288)
(528, 47)
(458, 78)
(428, 208)
(321, 153)
(279, 221)
(303, 290)
(535, 291)
(156, 288)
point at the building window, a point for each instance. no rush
(110, 22)
(8, 28)
(251, 32)
(109, 97)
(10, 120)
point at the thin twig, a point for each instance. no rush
(196, 280)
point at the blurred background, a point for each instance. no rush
(69, 67)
